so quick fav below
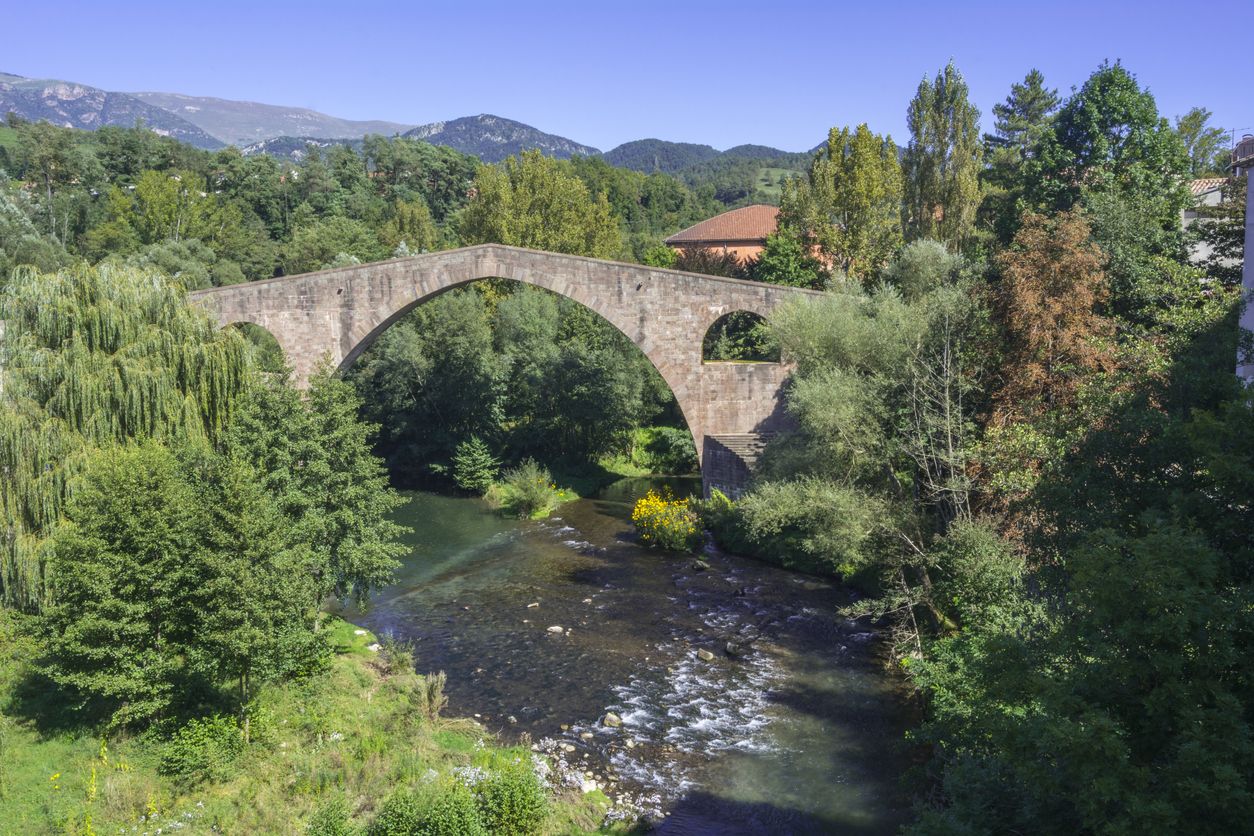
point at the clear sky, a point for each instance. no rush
(774, 72)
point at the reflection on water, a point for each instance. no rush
(794, 731)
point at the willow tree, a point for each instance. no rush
(92, 357)
(942, 161)
(849, 206)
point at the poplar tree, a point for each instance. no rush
(942, 161)
(849, 206)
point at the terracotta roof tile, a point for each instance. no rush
(1206, 184)
(750, 223)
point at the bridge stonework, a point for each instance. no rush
(334, 315)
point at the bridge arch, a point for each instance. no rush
(335, 314)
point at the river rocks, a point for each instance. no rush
(533, 605)
(374, 648)
(700, 566)
(568, 748)
(705, 655)
(735, 650)
(359, 632)
(585, 735)
(611, 720)
(631, 744)
(556, 630)
(588, 786)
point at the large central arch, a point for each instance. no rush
(336, 314)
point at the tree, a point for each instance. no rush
(849, 207)
(1206, 146)
(474, 466)
(316, 244)
(125, 566)
(534, 201)
(255, 619)
(1024, 118)
(410, 225)
(1052, 286)
(1022, 121)
(1108, 137)
(786, 260)
(1222, 229)
(942, 161)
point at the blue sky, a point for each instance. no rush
(773, 72)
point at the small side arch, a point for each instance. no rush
(266, 348)
(739, 337)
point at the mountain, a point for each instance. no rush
(294, 147)
(243, 123)
(650, 155)
(80, 106)
(492, 138)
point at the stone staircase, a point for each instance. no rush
(729, 460)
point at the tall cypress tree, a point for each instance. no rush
(942, 162)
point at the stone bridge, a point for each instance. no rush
(730, 408)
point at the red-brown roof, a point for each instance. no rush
(1206, 184)
(750, 223)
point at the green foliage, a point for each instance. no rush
(665, 450)
(511, 801)
(1206, 145)
(532, 201)
(317, 244)
(811, 525)
(526, 491)
(330, 819)
(740, 336)
(203, 750)
(453, 811)
(922, 267)
(474, 466)
(94, 357)
(849, 208)
(786, 260)
(400, 815)
(942, 162)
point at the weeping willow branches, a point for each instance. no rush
(93, 356)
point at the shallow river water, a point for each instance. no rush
(799, 734)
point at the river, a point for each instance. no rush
(800, 733)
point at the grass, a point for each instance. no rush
(352, 732)
(768, 180)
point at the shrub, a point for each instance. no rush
(203, 750)
(526, 491)
(810, 524)
(511, 800)
(667, 522)
(397, 655)
(428, 696)
(330, 819)
(474, 466)
(399, 816)
(453, 812)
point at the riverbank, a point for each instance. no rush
(349, 737)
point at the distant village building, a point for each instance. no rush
(741, 232)
(1243, 156)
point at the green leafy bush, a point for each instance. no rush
(664, 450)
(452, 812)
(203, 750)
(511, 800)
(809, 524)
(330, 819)
(399, 816)
(526, 491)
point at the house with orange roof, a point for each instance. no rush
(741, 232)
